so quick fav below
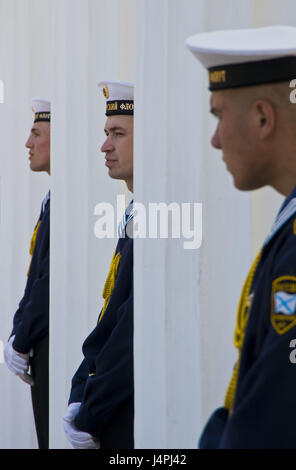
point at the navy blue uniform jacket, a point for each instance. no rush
(264, 411)
(31, 320)
(104, 381)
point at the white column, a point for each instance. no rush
(168, 168)
(69, 204)
(24, 69)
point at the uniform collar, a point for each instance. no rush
(287, 210)
(44, 202)
(127, 216)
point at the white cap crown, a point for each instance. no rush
(246, 57)
(41, 108)
(119, 97)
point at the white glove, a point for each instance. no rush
(16, 363)
(78, 439)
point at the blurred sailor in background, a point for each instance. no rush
(249, 75)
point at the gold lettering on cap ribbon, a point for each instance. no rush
(127, 106)
(112, 106)
(218, 76)
(42, 115)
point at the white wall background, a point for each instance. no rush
(185, 300)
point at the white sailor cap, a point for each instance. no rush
(246, 57)
(119, 97)
(41, 108)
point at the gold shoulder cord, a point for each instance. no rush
(109, 286)
(33, 243)
(239, 332)
(110, 282)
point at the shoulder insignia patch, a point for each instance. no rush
(283, 304)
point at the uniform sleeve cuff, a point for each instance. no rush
(21, 344)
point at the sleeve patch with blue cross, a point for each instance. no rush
(283, 308)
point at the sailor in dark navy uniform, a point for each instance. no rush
(28, 343)
(101, 405)
(249, 74)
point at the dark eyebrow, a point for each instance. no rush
(35, 129)
(115, 128)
